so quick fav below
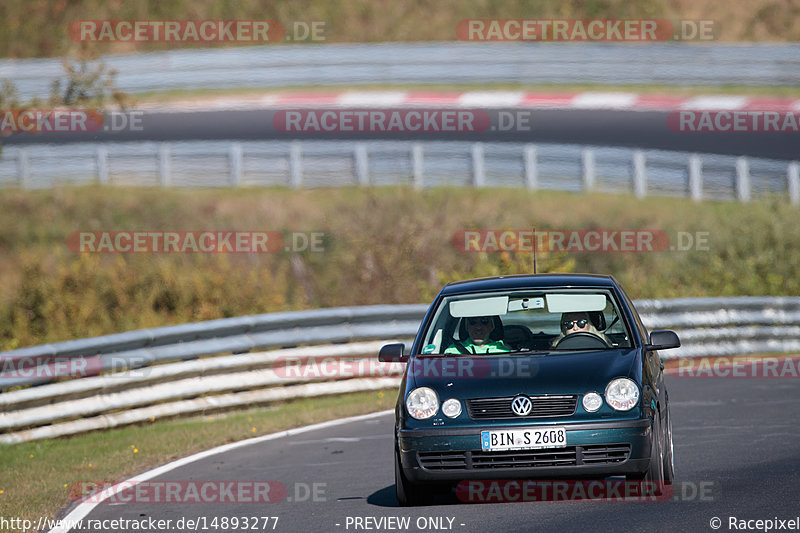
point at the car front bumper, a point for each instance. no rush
(595, 449)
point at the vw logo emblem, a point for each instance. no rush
(521, 405)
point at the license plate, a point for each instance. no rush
(523, 439)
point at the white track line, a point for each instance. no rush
(473, 99)
(82, 510)
(715, 102)
(371, 99)
(491, 99)
(604, 100)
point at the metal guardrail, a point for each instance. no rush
(156, 387)
(145, 347)
(160, 381)
(433, 63)
(726, 326)
(334, 163)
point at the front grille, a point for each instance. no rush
(543, 407)
(443, 460)
(525, 458)
(595, 454)
(605, 454)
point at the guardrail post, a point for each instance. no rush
(742, 179)
(235, 157)
(793, 184)
(102, 165)
(361, 161)
(530, 160)
(417, 165)
(23, 168)
(478, 171)
(295, 165)
(639, 174)
(164, 177)
(696, 177)
(589, 175)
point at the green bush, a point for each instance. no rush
(382, 246)
(40, 29)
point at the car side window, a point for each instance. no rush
(637, 320)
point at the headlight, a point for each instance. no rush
(422, 403)
(622, 394)
(592, 402)
(451, 408)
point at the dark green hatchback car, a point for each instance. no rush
(531, 377)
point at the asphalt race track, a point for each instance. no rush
(643, 129)
(737, 454)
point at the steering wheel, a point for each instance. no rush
(581, 340)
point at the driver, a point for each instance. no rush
(479, 337)
(578, 322)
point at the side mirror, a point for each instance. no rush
(392, 353)
(663, 339)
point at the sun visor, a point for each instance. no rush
(565, 303)
(495, 305)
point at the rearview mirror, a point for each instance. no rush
(392, 353)
(663, 339)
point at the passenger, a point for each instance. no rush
(578, 322)
(483, 335)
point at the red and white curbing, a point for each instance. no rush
(482, 100)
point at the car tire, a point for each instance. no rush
(669, 457)
(408, 493)
(654, 475)
(655, 472)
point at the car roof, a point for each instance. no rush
(530, 281)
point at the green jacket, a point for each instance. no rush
(489, 347)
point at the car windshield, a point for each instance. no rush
(526, 321)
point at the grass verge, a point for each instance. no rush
(381, 245)
(37, 479)
(38, 29)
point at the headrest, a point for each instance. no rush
(598, 319)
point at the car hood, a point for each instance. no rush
(508, 375)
